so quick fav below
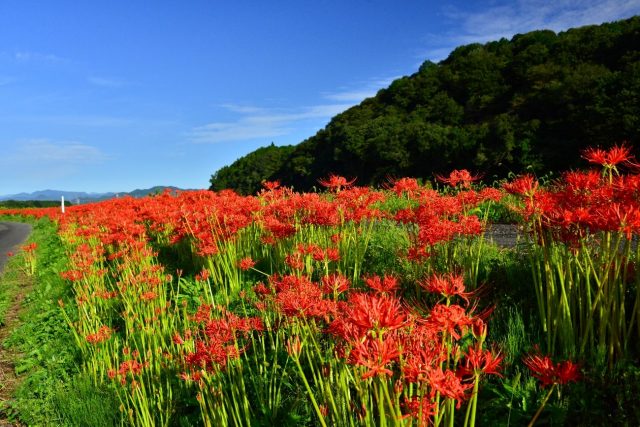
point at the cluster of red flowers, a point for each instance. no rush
(217, 339)
(543, 368)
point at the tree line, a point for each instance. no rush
(526, 104)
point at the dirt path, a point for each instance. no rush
(17, 284)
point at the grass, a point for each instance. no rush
(49, 388)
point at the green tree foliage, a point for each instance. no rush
(18, 204)
(526, 104)
(246, 174)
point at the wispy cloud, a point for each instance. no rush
(30, 56)
(71, 120)
(357, 93)
(40, 162)
(106, 82)
(45, 151)
(257, 123)
(507, 18)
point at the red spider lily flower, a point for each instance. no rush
(335, 284)
(202, 276)
(72, 275)
(451, 319)
(404, 185)
(271, 185)
(608, 158)
(132, 367)
(543, 368)
(461, 178)
(103, 334)
(332, 254)
(387, 285)
(177, 339)
(449, 385)
(448, 285)
(148, 296)
(294, 261)
(478, 361)
(524, 185)
(336, 182)
(418, 254)
(30, 247)
(375, 354)
(246, 263)
(422, 408)
(375, 313)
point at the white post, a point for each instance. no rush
(62, 204)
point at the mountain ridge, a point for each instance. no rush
(82, 196)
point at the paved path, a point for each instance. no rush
(11, 235)
(504, 235)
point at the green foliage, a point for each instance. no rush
(247, 174)
(526, 104)
(80, 403)
(19, 204)
(43, 338)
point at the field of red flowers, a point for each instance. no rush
(354, 306)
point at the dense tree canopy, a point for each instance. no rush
(529, 103)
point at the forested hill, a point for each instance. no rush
(526, 104)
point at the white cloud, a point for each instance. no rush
(39, 162)
(257, 123)
(105, 81)
(505, 19)
(29, 56)
(44, 151)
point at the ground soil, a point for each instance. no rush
(8, 356)
(21, 285)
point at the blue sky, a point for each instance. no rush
(117, 95)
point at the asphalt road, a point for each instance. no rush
(11, 235)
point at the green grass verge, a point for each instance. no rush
(51, 392)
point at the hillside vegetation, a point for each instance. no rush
(526, 104)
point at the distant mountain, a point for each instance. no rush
(530, 104)
(81, 196)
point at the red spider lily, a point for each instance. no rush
(375, 313)
(271, 185)
(449, 285)
(448, 384)
(300, 297)
(335, 284)
(401, 186)
(451, 319)
(375, 355)
(461, 178)
(30, 247)
(478, 361)
(246, 263)
(524, 185)
(103, 334)
(387, 285)
(177, 339)
(422, 408)
(543, 368)
(202, 276)
(336, 182)
(294, 261)
(608, 158)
